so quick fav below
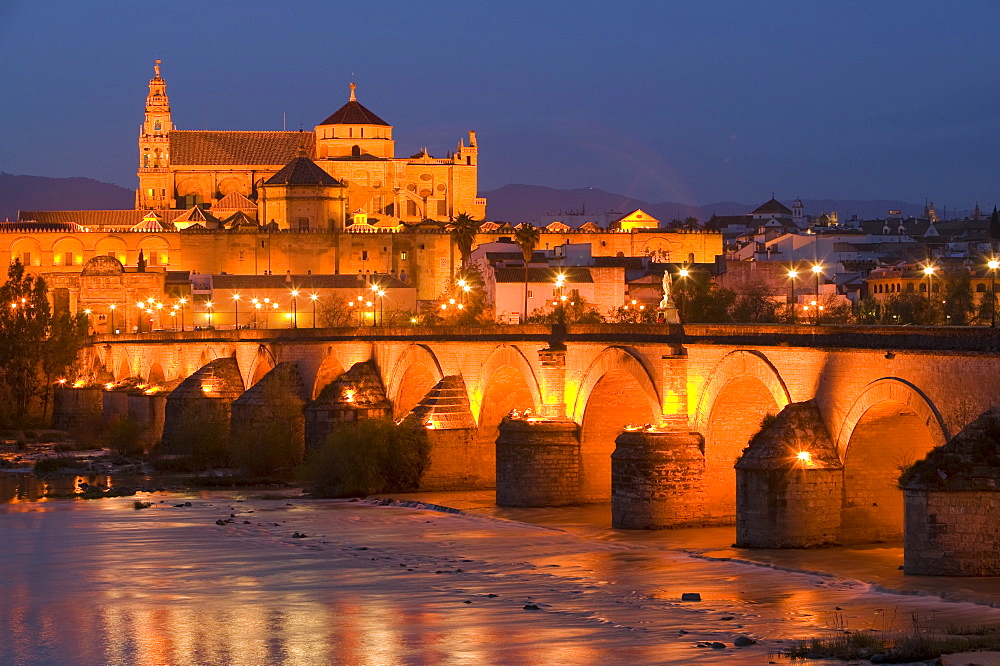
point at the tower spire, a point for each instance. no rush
(156, 68)
(354, 98)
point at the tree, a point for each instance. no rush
(66, 336)
(691, 223)
(467, 290)
(576, 310)
(909, 308)
(25, 317)
(270, 442)
(463, 233)
(959, 301)
(527, 238)
(704, 301)
(753, 304)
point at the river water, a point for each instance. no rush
(101, 582)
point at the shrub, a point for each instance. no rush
(369, 456)
(124, 437)
(46, 465)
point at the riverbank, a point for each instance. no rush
(226, 580)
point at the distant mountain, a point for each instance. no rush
(535, 204)
(41, 193)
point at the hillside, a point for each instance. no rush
(41, 193)
(533, 203)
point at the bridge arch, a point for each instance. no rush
(328, 370)
(263, 362)
(889, 426)
(742, 388)
(155, 374)
(617, 390)
(414, 373)
(505, 382)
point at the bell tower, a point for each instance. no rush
(155, 188)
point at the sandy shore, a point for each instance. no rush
(100, 582)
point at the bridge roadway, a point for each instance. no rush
(886, 395)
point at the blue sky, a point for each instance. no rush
(691, 102)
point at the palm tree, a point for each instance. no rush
(463, 233)
(527, 238)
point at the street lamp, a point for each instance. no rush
(381, 307)
(314, 298)
(993, 265)
(181, 302)
(817, 269)
(560, 279)
(236, 312)
(682, 276)
(257, 306)
(209, 306)
(792, 274)
(295, 308)
(142, 310)
(112, 308)
(371, 304)
(86, 311)
(929, 272)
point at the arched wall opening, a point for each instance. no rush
(329, 369)
(615, 401)
(506, 389)
(736, 416)
(414, 374)
(156, 375)
(414, 384)
(889, 437)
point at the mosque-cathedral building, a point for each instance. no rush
(336, 200)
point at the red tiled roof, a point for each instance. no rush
(354, 113)
(234, 201)
(236, 147)
(302, 171)
(95, 218)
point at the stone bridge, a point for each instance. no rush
(885, 396)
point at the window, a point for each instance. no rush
(402, 256)
(157, 126)
(67, 259)
(364, 255)
(531, 294)
(242, 253)
(442, 207)
(153, 258)
(909, 288)
(980, 288)
(411, 207)
(303, 224)
(26, 258)
(145, 161)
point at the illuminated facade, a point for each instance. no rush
(346, 165)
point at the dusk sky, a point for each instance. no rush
(690, 102)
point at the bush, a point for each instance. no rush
(46, 465)
(369, 456)
(268, 441)
(124, 437)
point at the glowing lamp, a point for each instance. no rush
(993, 264)
(804, 457)
(817, 269)
(793, 274)
(684, 272)
(928, 270)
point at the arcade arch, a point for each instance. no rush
(505, 383)
(413, 375)
(617, 390)
(891, 425)
(67, 252)
(155, 251)
(112, 246)
(741, 390)
(28, 250)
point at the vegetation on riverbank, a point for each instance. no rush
(898, 647)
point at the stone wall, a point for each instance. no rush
(538, 463)
(75, 408)
(952, 533)
(657, 480)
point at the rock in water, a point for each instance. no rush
(691, 596)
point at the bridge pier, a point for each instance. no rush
(74, 409)
(457, 460)
(657, 480)
(789, 483)
(355, 395)
(197, 414)
(538, 463)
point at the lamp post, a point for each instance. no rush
(929, 272)
(381, 307)
(374, 288)
(314, 298)
(159, 315)
(142, 309)
(792, 274)
(173, 313)
(561, 303)
(236, 312)
(256, 317)
(295, 308)
(993, 265)
(181, 302)
(683, 274)
(112, 308)
(87, 311)
(371, 304)
(817, 269)
(209, 306)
